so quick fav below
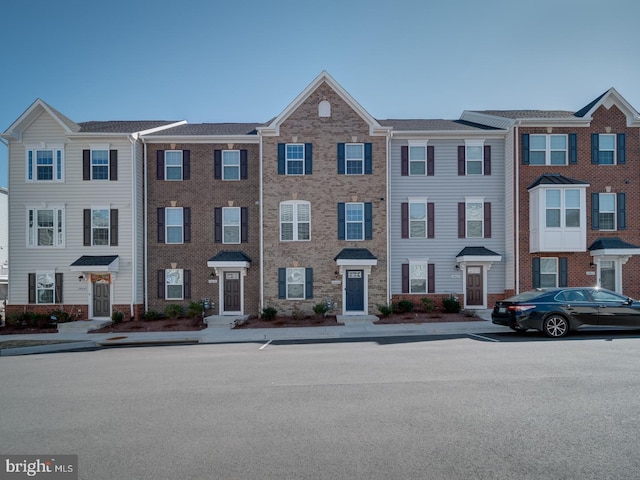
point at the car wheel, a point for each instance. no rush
(555, 326)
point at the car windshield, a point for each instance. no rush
(526, 296)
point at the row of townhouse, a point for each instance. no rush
(324, 202)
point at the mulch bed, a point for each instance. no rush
(281, 321)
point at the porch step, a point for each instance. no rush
(82, 326)
(356, 319)
(225, 321)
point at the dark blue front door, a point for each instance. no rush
(355, 290)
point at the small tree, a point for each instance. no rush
(428, 304)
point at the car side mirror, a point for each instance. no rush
(629, 301)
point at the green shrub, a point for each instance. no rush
(405, 306)
(298, 314)
(150, 315)
(117, 317)
(173, 311)
(385, 310)
(194, 309)
(428, 304)
(451, 304)
(321, 308)
(61, 316)
(269, 313)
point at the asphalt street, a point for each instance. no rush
(488, 407)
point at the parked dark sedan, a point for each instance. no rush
(557, 311)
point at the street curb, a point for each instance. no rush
(56, 347)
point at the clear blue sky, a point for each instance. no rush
(217, 61)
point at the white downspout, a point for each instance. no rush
(517, 207)
(261, 306)
(388, 200)
(134, 230)
(145, 287)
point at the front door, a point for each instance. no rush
(231, 292)
(475, 292)
(355, 291)
(101, 299)
(608, 275)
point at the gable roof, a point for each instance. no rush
(608, 99)
(32, 113)
(274, 126)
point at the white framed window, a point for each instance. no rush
(607, 149)
(174, 284)
(607, 211)
(99, 164)
(417, 218)
(295, 221)
(354, 221)
(354, 158)
(45, 165)
(474, 218)
(231, 225)
(100, 226)
(45, 287)
(562, 208)
(231, 164)
(295, 283)
(417, 159)
(174, 225)
(173, 165)
(474, 157)
(547, 149)
(45, 227)
(294, 159)
(548, 272)
(417, 277)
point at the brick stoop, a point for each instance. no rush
(225, 321)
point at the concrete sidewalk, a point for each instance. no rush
(353, 328)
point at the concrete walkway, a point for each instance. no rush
(355, 327)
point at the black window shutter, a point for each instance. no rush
(86, 227)
(32, 288)
(368, 221)
(487, 219)
(244, 224)
(186, 222)
(404, 220)
(431, 160)
(573, 148)
(461, 160)
(113, 227)
(86, 164)
(595, 147)
(308, 159)
(536, 272)
(187, 283)
(282, 283)
(564, 272)
(341, 161)
(404, 160)
(58, 291)
(160, 166)
(244, 165)
(341, 220)
(622, 211)
(431, 278)
(308, 283)
(405, 278)
(161, 225)
(368, 158)
(525, 149)
(622, 147)
(160, 291)
(113, 165)
(461, 220)
(217, 164)
(595, 211)
(431, 220)
(487, 159)
(217, 224)
(186, 164)
(281, 158)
